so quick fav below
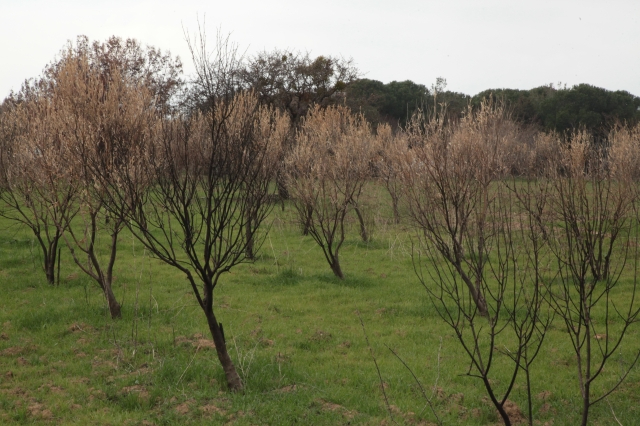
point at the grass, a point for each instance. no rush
(293, 331)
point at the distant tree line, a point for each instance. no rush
(548, 108)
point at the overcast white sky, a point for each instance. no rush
(474, 44)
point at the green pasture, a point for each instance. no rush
(295, 333)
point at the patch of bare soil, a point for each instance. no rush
(16, 350)
(211, 409)
(183, 408)
(514, 412)
(330, 406)
(4, 336)
(204, 344)
(39, 411)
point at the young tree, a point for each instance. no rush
(326, 172)
(37, 186)
(593, 238)
(195, 197)
(448, 174)
(483, 267)
(393, 149)
(102, 116)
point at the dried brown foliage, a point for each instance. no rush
(470, 231)
(326, 172)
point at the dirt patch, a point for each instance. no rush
(204, 344)
(4, 336)
(514, 412)
(211, 409)
(330, 406)
(39, 411)
(182, 409)
(546, 407)
(15, 350)
(22, 361)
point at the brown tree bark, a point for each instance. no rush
(233, 379)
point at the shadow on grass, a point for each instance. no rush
(286, 277)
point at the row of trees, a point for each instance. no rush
(514, 227)
(514, 230)
(97, 145)
(515, 233)
(547, 108)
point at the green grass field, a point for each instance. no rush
(294, 332)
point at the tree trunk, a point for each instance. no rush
(233, 379)
(585, 406)
(335, 267)
(308, 219)
(479, 301)
(396, 211)
(114, 306)
(505, 417)
(249, 231)
(283, 192)
(474, 290)
(50, 264)
(363, 227)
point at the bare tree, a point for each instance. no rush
(326, 172)
(478, 257)
(593, 238)
(389, 164)
(38, 188)
(195, 198)
(102, 116)
(448, 174)
(518, 316)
